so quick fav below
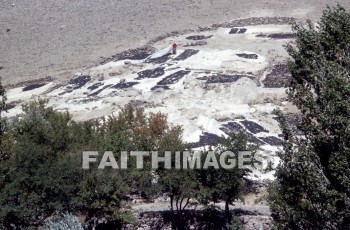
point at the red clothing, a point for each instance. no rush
(174, 46)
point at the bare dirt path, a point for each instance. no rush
(59, 37)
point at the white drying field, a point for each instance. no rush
(220, 81)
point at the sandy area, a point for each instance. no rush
(60, 37)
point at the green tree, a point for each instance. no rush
(40, 175)
(312, 187)
(105, 193)
(225, 184)
(179, 184)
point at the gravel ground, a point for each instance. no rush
(60, 37)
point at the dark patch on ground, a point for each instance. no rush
(165, 87)
(277, 36)
(67, 91)
(134, 54)
(205, 139)
(186, 54)
(95, 86)
(198, 37)
(10, 105)
(197, 43)
(248, 56)
(253, 127)
(278, 78)
(79, 82)
(238, 31)
(100, 90)
(253, 139)
(282, 36)
(272, 140)
(159, 60)
(173, 78)
(150, 73)
(131, 54)
(222, 78)
(125, 85)
(33, 86)
(234, 128)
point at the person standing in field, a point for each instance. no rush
(174, 48)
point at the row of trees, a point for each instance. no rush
(41, 167)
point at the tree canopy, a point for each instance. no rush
(42, 173)
(312, 189)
